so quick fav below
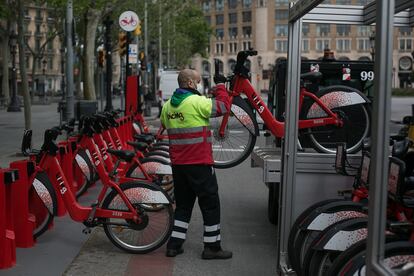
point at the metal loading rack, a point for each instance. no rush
(286, 165)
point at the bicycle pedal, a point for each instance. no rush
(87, 231)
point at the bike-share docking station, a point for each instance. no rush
(306, 178)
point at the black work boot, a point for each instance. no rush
(210, 253)
(171, 252)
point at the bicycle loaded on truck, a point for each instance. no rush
(332, 115)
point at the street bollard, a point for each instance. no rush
(24, 220)
(7, 236)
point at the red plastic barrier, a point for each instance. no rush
(24, 220)
(7, 236)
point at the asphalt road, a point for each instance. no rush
(245, 229)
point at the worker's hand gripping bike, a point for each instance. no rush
(332, 115)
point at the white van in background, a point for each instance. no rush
(168, 83)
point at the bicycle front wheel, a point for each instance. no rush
(239, 136)
(156, 223)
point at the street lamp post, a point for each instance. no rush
(108, 47)
(14, 105)
(372, 44)
(62, 71)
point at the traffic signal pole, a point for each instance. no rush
(127, 70)
(108, 47)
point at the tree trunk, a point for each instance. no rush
(22, 67)
(4, 50)
(92, 21)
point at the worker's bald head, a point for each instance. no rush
(188, 78)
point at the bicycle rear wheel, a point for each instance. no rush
(239, 137)
(156, 225)
(356, 124)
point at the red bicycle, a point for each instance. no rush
(333, 115)
(125, 211)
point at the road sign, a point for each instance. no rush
(133, 53)
(128, 21)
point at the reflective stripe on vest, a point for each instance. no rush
(218, 108)
(189, 136)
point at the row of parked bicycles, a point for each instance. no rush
(134, 205)
(330, 237)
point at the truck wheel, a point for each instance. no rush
(273, 203)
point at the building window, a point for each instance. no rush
(281, 30)
(281, 2)
(363, 30)
(219, 48)
(206, 6)
(37, 29)
(247, 45)
(322, 44)
(50, 45)
(363, 44)
(38, 13)
(232, 4)
(247, 16)
(343, 2)
(405, 31)
(323, 29)
(343, 45)
(233, 47)
(247, 31)
(208, 19)
(281, 46)
(361, 2)
(50, 63)
(305, 45)
(405, 44)
(281, 14)
(305, 29)
(219, 5)
(219, 19)
(219, 33)
(261, 3)
(37, 45)
(247, 3)
(233, 32)
(232, 18)
(343, 30)
(27, 61)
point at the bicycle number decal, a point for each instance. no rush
(367, 75)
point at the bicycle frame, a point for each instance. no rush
(243, 86)
(50, 164)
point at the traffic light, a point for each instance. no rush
(143, 61)
(137, 31)
(101, 58)
(122, 43)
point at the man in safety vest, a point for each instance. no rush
(186, 118)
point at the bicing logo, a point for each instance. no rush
(175, 115)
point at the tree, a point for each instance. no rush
(4, 50)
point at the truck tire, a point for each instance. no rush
(273, 203)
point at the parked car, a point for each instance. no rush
(168, 83)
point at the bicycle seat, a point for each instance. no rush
(140, 146)
(311, 76)
(144, 138)
(400, 148)
(125, 155)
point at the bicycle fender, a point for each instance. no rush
(83, 160)
(140, 195)
(324, 216)
(45, 191)
(336, 99)
(248, 121)
(342, 235)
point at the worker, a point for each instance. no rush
(186, 118)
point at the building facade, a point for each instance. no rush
(45, 51)
(44, 44)
(263, 25)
